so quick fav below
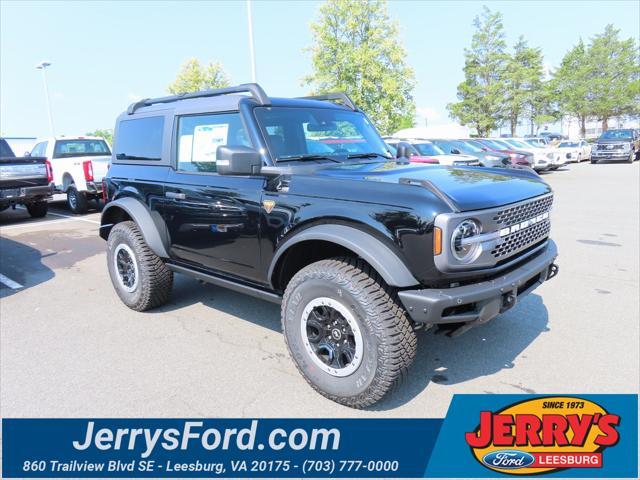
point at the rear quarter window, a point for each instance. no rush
(139, 139)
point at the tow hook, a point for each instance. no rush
(553, 271)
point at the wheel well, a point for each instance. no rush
(67, 180)
(112, 216)
(302, 254)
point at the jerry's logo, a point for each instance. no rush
(543, 435)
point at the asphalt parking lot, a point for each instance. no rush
(70, 348)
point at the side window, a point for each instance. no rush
(140, 139)
(199, 137)
(40, 150)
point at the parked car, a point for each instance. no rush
(415, 155)
(359, 248)
(619, 144)
(24, 181)
(79, 164)
(536, 141)
(428, 148)
(575, 150)
(517, 157)
(486, 159)
(544, 158)
(551, 136)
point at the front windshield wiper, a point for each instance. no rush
(293, 158)
(368, 155)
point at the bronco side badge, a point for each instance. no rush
(268, 205)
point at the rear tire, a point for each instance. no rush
(77, 201)
(348, 293)
(38, 209)
(141, 279)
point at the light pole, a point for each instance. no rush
(251, 45)
(43, 66)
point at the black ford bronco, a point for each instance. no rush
(300, 202)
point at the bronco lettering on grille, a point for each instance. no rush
(522, 225)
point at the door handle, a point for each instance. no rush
(175, 195)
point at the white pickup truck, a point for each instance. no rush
(78, 165)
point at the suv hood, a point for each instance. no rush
(468, 188)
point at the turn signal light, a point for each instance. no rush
(437, 241)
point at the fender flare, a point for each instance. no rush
(150, 223)
(382, 258)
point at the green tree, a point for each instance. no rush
(193, 77)
(614, 72)
(571, 85)
(482, 94)
(106, 133)
(524, 77)
(356, 50)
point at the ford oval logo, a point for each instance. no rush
(508, 459)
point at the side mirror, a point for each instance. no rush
(403, 150)
(27, 154)
(237, 160)
(455, 151)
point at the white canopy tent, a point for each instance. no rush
(451, 130)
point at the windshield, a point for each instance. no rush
(568, 144)
(428, 149)
(317, 133)
(615, 134)
(535, 143)
(516, 143)
(466, 146)
(80, 148)
(498, 145)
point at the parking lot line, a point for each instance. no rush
(9, 283)
(31, 224)
(74, 218)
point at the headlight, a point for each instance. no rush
(492, 157)
(627, 146)
(464, 251)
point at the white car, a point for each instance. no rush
(426, 148)
(575, 150)
(78, 165)
(544, 158)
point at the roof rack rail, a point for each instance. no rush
(343, 97)
(254, 89)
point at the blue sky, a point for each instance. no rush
(106, 54)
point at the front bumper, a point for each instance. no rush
(620, 155)
(480, 302)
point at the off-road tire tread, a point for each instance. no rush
(152, 267)
(397, 341)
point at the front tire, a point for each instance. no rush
(141, 279)
(38, 209)
(77, 201)
(346, 331)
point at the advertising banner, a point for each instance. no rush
(481, 436)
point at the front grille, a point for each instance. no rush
(610, 147)
(522, 239)
(526, 211)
